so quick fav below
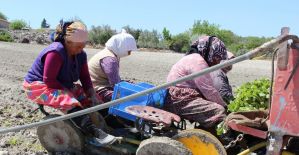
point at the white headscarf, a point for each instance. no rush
(120, 44)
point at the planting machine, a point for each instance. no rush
(146, 129)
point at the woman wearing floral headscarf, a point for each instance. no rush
(104, 66)
(51, 79)
(197, 100)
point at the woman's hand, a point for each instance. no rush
(91, 94)
(95, 101)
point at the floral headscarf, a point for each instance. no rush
(210, 48)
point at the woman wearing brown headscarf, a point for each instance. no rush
(51, 79)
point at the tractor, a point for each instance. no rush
(146, 129)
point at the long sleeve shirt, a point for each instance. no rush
(190, 64)
(221, 83)
(110, 65)
(52, 64)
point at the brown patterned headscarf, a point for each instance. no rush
(73, 31)
(210, 48)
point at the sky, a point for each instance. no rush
(243, 17)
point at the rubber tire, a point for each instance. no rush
(61, 136)
(162, 146)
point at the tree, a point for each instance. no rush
(134, 32)
(205, 28)
(242, 45)
(149, 39)
(45, 24)
(227, 36)
(2, 16)
(166, 34)
(100, 34)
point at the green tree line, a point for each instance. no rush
(165, 40)
(180, 42)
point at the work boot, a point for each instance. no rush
(101, 138)
(84, 122)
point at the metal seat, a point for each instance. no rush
(153, 114)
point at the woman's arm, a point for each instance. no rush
(110, 66)
(205, 84)
(87, 84)
(85, 77)
(52, 65)
(225, 88)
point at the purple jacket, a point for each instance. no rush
(69, 71)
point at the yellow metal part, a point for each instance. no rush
(253, 148)
(258, 146)
(200, 142)
(287, 153)
(197, 146)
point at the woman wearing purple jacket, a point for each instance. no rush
(51, 79)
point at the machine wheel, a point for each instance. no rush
(200, 142)
(60, 136)
(163, 146)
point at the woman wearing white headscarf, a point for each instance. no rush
(104, 66)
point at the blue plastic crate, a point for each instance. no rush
(158, 97)
(123, 89)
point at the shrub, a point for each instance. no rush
(163, 44)
(134, 32)
(253, 42)
(17, 25)
(5, 36)
(100, 34)
(238, 45)
(245, 44)
(148, 39)
(180, 42)
(227, 36)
